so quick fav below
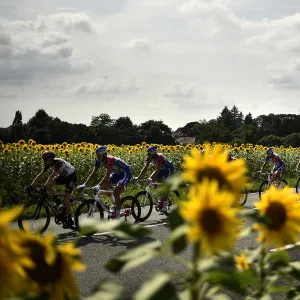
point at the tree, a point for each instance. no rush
(17, 127)
(248, 119)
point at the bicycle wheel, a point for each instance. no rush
(298, 186)
(130, 209)
(146, 204)
(35, 215)
(87, 209)
(171, 202)
(263, 187)
(243, 197)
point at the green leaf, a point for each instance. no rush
(253, 254)
(237, 281)
(119, 228)
(175, 220)
(255, 215)
(277, 289)
(107, 290)
(219, 297)
(265, 297)
(134, 257)
(157, 287)
(185, 295)
(247, 231)
(171, 184)
(212, 291)
(177, 239)
(278, 258)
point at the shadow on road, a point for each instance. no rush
(113, 241)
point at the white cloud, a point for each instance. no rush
(42, 47)
(138, 44)
(108, 86)
(180, 90)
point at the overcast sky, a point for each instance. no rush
(172, 60)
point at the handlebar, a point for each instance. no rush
(150, 183)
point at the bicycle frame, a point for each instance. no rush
(149, 191)
(98, 200)
(269, 179)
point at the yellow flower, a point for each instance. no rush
(282, 209)
(241, 262)
(214, 165)
(211, 217)
(54, 265)
(13, 258)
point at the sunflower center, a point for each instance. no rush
(43, 273)
(210, 221)
(277, 214)
(212, 173)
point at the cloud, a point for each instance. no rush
(42, 47)
(138, 44)
(107, 85)
(180, 90)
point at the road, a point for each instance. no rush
(101, 247)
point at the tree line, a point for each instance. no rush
(231, 126)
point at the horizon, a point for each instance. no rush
(148, 59)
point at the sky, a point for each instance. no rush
(172, 60)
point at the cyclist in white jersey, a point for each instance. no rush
(117, 172)
(63, 173)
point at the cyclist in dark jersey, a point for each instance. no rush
(164, 169)
(117, 172)
(63, 173)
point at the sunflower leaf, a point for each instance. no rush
(108, 290)
(157, 287)
(278, 258)
(237, 281)
(177, 239)
(119, 228)
(175, 220)
(171, 184)
(133, 258)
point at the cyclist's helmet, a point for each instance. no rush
(101, 150)
(48, 154)
(270, 151)
(152, 150)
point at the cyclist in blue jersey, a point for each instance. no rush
(117, 172)
(164, 169)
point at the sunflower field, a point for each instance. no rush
(21, 162)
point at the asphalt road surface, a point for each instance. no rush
(101, 247)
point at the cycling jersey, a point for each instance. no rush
(115, 163)
(63, 168)
(160, 160)
(277, 160)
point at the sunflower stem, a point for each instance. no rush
(195, 274)
(262, 274)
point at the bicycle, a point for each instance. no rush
(298, 183)
(267, 183)
(89, 206)
(147, 198)
(44, 206)
(242, 199)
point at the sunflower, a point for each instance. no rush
(52, 273)
(13, 258)
(241, 262)
(211, 217)
(214, 165)
(282, 209)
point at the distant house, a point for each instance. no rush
(178, 133)
(186, 140)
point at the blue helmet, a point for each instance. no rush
(152, 150)
(101, 150)
(269, 151)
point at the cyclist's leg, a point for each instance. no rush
(124, 178)
(51, 181)
(70, 184)
(165, 175)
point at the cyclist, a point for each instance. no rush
(230, 157)
(117, 172)
(278, 164)
(63, 173)
(164, 169)
(298, 167)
